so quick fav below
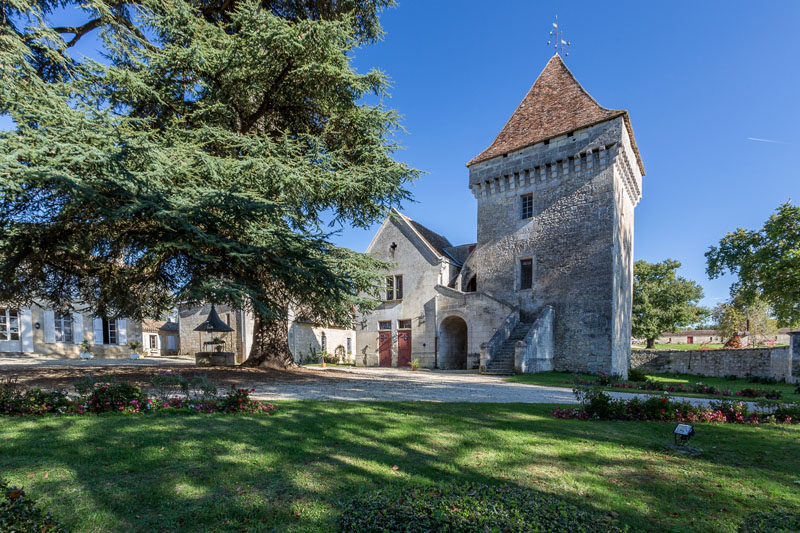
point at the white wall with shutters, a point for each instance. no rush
(77, 328)
(97, 327)
(49, 326)
(26, 330)
(122, 331)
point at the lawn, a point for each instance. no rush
(565, 379)
(682, 347)
(292, 471)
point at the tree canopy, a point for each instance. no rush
(735, 317)
(199, 162)
(662, 300)
(766, 263)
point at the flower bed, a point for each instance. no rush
(696, 388)
(96, 397)
(597, 405)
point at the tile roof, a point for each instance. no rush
(555, 105)
(156, 325)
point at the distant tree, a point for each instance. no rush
(202, 160)
(766, 263)
(737, 318)
(662, 300)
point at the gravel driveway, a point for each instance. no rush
(308, 383)
(393, 384)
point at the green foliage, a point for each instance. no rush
(20, 514)
(662, 300)
(595, 404)
(166, 385)
(317, 455)
(635, 374)
(16, 400)
(202, 161)
(606, 379)
(774, 522)
(766, 263)
(468, 508)
(738, 315)
(239, 401)
(113, 397)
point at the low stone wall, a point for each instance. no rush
(765, 362)
(535, 352)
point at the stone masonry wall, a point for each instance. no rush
(482, 314)
(767, 362)
(421, 271)
(571, 240)
(191, 341)
(305, 338)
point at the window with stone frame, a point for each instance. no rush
(9, 324)
(404, 324)
(385, 324)
(525, 274)
(349, 345)
(526, 203)
(323, 341)
(394, 287)
(63, 327)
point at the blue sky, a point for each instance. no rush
(699, 80)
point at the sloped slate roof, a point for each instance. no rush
(460, 253)
(213, 323)
(555, 105)
(437, 242)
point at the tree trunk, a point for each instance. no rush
(270, 345)
(651, 343)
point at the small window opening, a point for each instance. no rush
(526, 274)
(527, 205)
(472, 285)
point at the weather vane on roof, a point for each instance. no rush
(557, 39)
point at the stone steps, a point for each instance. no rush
(503, 361)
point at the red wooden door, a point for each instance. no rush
(689, 340)
(385, 348)
(404, 348)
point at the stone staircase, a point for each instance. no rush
(503, 361)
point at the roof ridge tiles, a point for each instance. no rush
(556, 104)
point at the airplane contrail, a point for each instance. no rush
(765, 140)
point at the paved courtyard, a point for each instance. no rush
(309, 383)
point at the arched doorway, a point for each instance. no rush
(453, 343)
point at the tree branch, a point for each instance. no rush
(79, 31)
(251, 120)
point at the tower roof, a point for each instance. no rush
(555, 105)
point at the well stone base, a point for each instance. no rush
(215, 359)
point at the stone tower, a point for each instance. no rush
(556, 192)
